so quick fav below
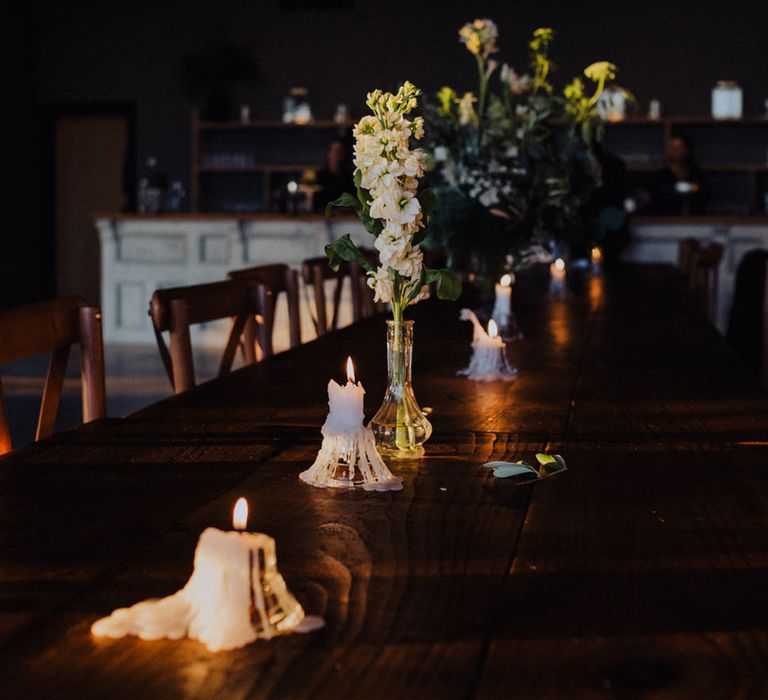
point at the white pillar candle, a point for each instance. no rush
(502, 307)
(557, 285)
(234, 596)
(348, 456)
(489, 360)
(345, 403)
(597, 259)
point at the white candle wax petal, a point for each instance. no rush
(361, 459)
(215, 605)
(489, 360)
(349, 445)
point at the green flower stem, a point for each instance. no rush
(481, 97)
(398, 378)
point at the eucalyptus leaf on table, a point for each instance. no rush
(503, 470)
(549, 466)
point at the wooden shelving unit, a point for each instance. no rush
(734, 152)
(236, 166)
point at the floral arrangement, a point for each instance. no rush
(391, 205)
(515, 167)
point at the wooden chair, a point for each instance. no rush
(176, 309)
(54, 326)
(686, 251)
(270, 281)
(764, 353)
(704, 277)
(748, 324)
(315, 272)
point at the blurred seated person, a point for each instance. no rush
(335, 178)
(681, 188)
(606, 207)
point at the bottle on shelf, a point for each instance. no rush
(152, 189)
(296, 107)
(727, 100)
(175, 198)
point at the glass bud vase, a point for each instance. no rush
(400, 426)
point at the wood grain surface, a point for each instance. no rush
(638, 573)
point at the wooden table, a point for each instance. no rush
(641, 572)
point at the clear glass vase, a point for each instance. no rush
(400, 426)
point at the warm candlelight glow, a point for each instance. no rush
(597, 255)
(493, 329)
(350, 370)
(560, 264)
(240, 514)
(506, 280)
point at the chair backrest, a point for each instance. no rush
(54, 326)
(176, 309)
(314, 273)
(270, 281)
(748, 326)
(704, 276)
(686, 250)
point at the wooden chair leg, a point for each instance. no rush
(265, 303)
(319, 288)
(92, 364)
(294, 312)
(181, 348)
(233, 342)
(5, 432)
(54, 383)
(248, 341)
(764, 356)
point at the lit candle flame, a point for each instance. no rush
(597, 255)
(560, 264)
(493, 329)
(506, 280)
(240, 514)
(350, 371)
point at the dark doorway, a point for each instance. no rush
(89, 166)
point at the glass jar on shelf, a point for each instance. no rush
(727, 100)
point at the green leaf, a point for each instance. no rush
(361, 193)
(346, 200)
(343, 249)
(428, 200)
(503, 470)
(373, 226)
(543, 459)
(449, 283)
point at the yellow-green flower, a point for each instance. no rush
(601, 70)
(447, 96)
(574, 90)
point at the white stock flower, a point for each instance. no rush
(393, 245)
(467, 114)
(408, 209)
(518, 84)
(411, 265)
(382, 283)
(480, 37)
(389, 171)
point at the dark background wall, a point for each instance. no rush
(134, 52)
(115, 51)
